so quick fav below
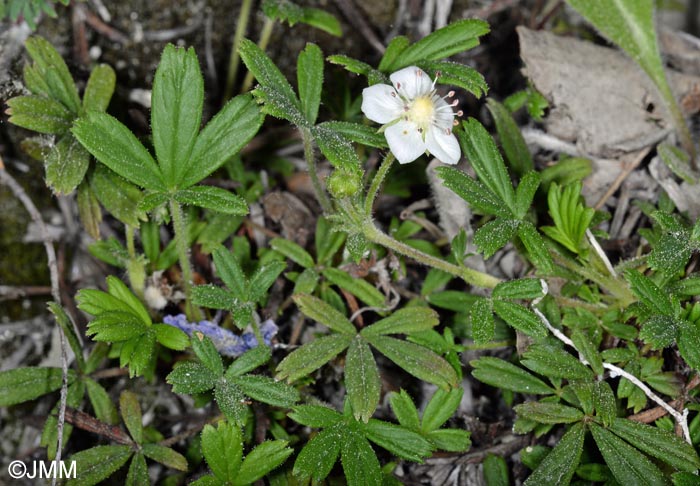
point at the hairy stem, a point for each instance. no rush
(135, 267)
(235, 59)
(376, 184)
(470, 276)
(183, 252)
(321, 195)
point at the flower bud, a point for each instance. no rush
(342, 183)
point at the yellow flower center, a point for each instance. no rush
(422, 111)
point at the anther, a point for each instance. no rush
(454, 103)
(393, 94)
(460, 113)
(455, 122)
(398, 85)
(448, 131)
(450, 94)
(419, 73)
(438, 74)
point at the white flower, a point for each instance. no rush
(415, 118)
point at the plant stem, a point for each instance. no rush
(311, 165)
(470, 276)
(193, 314)
(379, 177)
(135, 267)
(234, 60)
(678, 119)
(265, 35)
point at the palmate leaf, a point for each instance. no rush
(571, 217)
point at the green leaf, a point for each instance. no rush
(322, 20)
(357, 133)
(559, 465)
(189, 377)
(315, 416)
(310, 80)
(396, 46)
(649, 293)
(571, 216)
(263, 278)
(318, 456)
(588, 351)
(312, 356)
(265, 389)
(119, 197)
(359, 67)
(398, 440)
(222, 138)
(421, 362)
(520, 318)
(115, 326)
(475, 193)
(524, 288)
(207, 353)
(113, 144)
(362, 380)
(494, 235)
(248, 361)
(214, 198)
(176, 111)
(261, 460)
(213, 297)
(502, 374)
(658, 443)
(89, 209)
(604, 402)
(660, 331)
(101, 402)
(223, 449)
(456, 37)
(99, 88)
(548, 413)
(496, 471)
(153, 200)
(165, 456)
(171, 337)
(484, 157)
(40, 114)
(628, 465)
(230, 271)
(360, 463)
(554, 362)
(138, 471)
(456, 74)
(483, 324)
(440, 408)
(336, 147)
(50, 67)
(684, 479)
(536, 249)
(232, 402)
(408, 320)
(514, 146)
(454, 300)
(131, 413)
(66, 165)
(292, 251)
(688, 342)
(525, 192)
(118, 289)
(453, 440)
(358, 287)
(275, 91)
(405, 410)
(98, 463)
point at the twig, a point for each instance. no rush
(89, 423)
(171, 441)
(615, 371)
(626, 171)
(358, 21)
(19, 193)
(601, 254)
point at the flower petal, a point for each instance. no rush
(444, 115)
(381, 104)
(442, 146)
(405, 141)
(412, 82)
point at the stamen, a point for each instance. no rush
(393, 93)
(454, 103)
(455, 122)
(398, 86)
(450, 94)
(448, 131)
(459, 113)
(419, 73)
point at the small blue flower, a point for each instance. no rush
(225, 341)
